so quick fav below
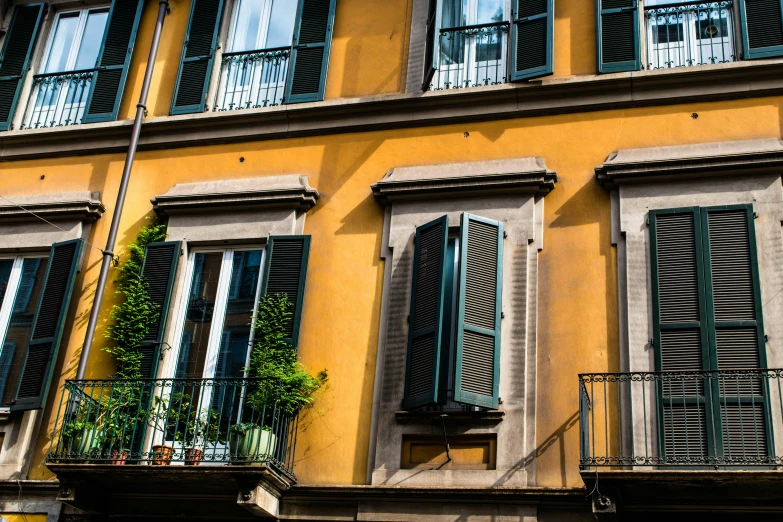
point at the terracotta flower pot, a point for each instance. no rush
(193, 456)
(118, 458)
(161, 455)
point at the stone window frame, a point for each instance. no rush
(511, 191)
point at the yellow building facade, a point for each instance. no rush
(572, 162)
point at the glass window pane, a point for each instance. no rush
(91, 40)
(198, 316)
(5, 276)
(62, 43)
(454, 13)
(489, 11)
(15, 345)
(281, 24)
(248, 22)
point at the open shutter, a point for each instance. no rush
(617, 36)
(477, 368)
(286, 273)
(114, 59)
(425, 321)
(762, 28)
(430, 45)
(310, 53)
(532, 37)
(195, 67)
(17, 50)
(680, 334)
(158, 270)
(47, 327)
(736, 329)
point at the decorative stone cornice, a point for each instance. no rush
(84, 206)
(290, 191)
(480, 178)
(687, 161)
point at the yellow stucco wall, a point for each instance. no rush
(19, 517)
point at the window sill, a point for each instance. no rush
(429, 417)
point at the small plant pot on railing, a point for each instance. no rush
(161, 455)
(251, 446)
(193, 456)
(119, 457)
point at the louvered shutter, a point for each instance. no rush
(736, 329)
(617, 36)
(17, 50)
(762, 28)
(532, 39)
(286, 273)
(430, 45)
(195, 67)
(114, 58)
(477, 367)
(47, 328)
(310, 53)
(680, 334)
(158, 270)
(425, 330)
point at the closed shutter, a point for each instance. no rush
(736, 329)
(532, 39)
(114, 59)
(17, 50)
(430, 45)
(310, 54)
(195, 67)
(617, 36)
(158, 270)
(425, 330)
(286, 273)
(762, 28)
(477, 368)
(680, 332)
(47, 327)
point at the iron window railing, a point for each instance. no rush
(253, 79)
(688, 34)
(58, 99)
(676, 419)
(471, 56)
(174, 421)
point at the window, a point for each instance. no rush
(707, 318)
(21, 283)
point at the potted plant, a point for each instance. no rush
(80, 438)
(199, 432)
(280, 387)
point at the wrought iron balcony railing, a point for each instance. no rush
(471, 56)
(174, 421)
(58, 99)
(721, 418)
(688, 34)
(252, 79)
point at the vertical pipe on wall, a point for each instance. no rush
(108, 252)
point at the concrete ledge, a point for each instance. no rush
(82, 206)
(478, 178)
(239, 194)
(687, 161)
(394, 111)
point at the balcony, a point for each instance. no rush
(253, 79)
(116, 439)
(58, 99)
(688, 34)
(471, 56)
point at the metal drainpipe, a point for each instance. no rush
(108, 252)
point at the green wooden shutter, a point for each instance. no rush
(736, 330)
(159, 270)
(195, 67)
(115, 55)
(430, 45)
(47, 328)
(310, 52)
(762, 28)
(617, 36)
(532, 39)
(17, 50)
(477, 368)
(426, 318)
(286, 273)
